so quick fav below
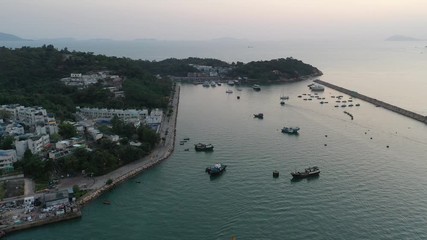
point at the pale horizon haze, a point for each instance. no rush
(210, 19)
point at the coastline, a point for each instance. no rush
(162, 152)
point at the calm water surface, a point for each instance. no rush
(365, 190)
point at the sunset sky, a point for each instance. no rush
(207, 19)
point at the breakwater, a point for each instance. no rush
(376, 102)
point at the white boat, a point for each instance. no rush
(256, 87)
(213, 84)
(231, 83)
(229, 91)
(316, 87)
(206, 84)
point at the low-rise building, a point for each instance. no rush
(7, 158)
(123, 114)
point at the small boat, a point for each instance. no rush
(256, 87)
(200, 147)
(213, 84)
(206, 84)
(259, 115)
(186, 139)
(357, 104)
(181, 143)
(106, 202)
(229, 91)
(238, 97)
(308, 172)
(231, 83)
(187, 149)
(282, 102)
(284, 97)
(316, 87)
(216, 169)
(299, 96)
(290, 130)
(219, 84)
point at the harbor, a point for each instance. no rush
(376, 102)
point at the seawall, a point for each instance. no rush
(155, 159)
(38, 223)
(376, 102)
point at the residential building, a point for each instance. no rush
(7, 158)
(127, 114)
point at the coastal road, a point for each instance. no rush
(161, 152)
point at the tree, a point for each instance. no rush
(4, 115)
(67, 130)
(7, 142)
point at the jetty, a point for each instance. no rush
(376, 102)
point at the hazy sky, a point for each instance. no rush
(207, 19)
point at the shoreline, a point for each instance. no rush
(161, 153)
(157, 156)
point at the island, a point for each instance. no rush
(74, 125)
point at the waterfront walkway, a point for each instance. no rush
(376, 102)
(160, 153)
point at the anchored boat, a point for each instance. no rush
(216, 169)
(308, 172)
(203, 147)
(290, 130)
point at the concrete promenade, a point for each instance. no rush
(160, 153)
(376, 102)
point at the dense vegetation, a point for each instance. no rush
(30, 76)
(273, 70)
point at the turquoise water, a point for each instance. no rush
(365, 190)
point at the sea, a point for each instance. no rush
(372, 180)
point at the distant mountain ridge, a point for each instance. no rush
(9, 37)
(403, 38)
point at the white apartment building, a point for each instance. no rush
(7, 158)
(127, 114)
(31, 116)
(35, 144)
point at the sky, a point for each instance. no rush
(211, 19)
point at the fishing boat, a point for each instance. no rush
(290, 130)
(259, 115)
(200, 147)
(308, 172)
(216, 169)
(256, 87)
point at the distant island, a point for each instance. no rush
(402, 38)
(10, 37)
